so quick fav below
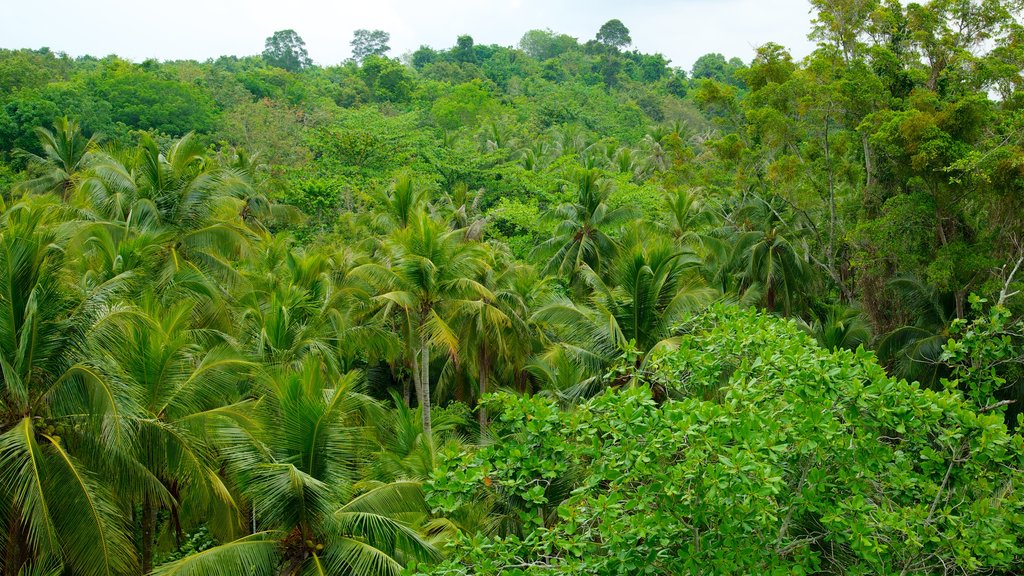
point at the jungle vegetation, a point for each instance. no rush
(558, 308)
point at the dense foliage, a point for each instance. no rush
(753, 317)
(778, 458)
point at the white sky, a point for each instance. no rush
(682, 30)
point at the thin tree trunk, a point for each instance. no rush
(148, 528)
(831, 204)
(424, 389)
(869, 182)
(481, 410)
(405, 383)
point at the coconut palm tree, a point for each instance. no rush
(399, 205)
(429, 278)
(839, 327)
(913, 351)
(296, 303)
(771, 255)
(494, 329)
(245, 179)
(687, 216)
(583, 230)
(182, 195)
(649, 289)
(61, 417)
(311, 515)
(178, 380)
(66, 153)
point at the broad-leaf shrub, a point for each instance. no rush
(783, 458)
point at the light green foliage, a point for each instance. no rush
(780, 458)
(462, 106)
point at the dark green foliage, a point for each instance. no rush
(143, 101)
(614, 33)
(369, 43)
(286, 49)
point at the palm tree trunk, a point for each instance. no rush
(148, 528)
(405, 392)
(17, 546)
(424, 388)
(481, 410)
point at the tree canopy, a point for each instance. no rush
(560, 308)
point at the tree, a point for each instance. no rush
(179, 197)
(310, 515)
(369, 43)
(65, 154)
(649, 289)
(429, 281)
(180, 389)
(464, 49)
(614, 33)
(546, 44)
(286, 49)
(583, 228)
(63, 433)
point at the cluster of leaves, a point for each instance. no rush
(779, 458)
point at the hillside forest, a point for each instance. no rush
(559, 308)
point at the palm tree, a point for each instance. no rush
(772, 258)
(400, 205)
(295, 304)
(61, 417)
(649, 290)
(913, 351)
(431, 277)
(310, 513)
(581, 235)
(687, 216)
(179, 380)
(461, 208)
(245, 180)
(839, 327)
(182, 195)
(66, 152)
(494, 328)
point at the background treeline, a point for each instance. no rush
(249, 307)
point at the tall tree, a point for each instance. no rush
(286, 49)
(614, 33)
(369, 43)
(431, 278)
(62, 419)
(584, 227)
(309, 514)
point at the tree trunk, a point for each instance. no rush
(481, 410)
(148, 528)
(424, 388)
(17, 547)
(405, 388)
(869, 181)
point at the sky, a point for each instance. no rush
(682, 30)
